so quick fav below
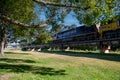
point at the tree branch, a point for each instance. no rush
(15, 22)
(44, 3)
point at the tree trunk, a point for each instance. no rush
(1, 47)
(2, 37)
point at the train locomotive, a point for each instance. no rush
(99, 36)
(83, 33)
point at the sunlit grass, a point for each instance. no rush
(59, 65)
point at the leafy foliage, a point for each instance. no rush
(96, 11)
(43, 38)
(21, 10)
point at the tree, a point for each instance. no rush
(21, 12)
(88, 11)
(43, 38)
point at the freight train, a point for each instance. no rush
(83, 33)
(101, 36)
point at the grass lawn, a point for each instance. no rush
(57, 65)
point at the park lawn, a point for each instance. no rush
(24, 65)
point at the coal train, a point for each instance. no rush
(99, 35)
(94, 32)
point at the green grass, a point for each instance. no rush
(59, 65)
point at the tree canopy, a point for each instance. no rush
(88, 11)
(16, 13)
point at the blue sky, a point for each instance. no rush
(70, 19)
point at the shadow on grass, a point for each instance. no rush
(17, 53)
(111, 57)
(22, 68)
(16, 60)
